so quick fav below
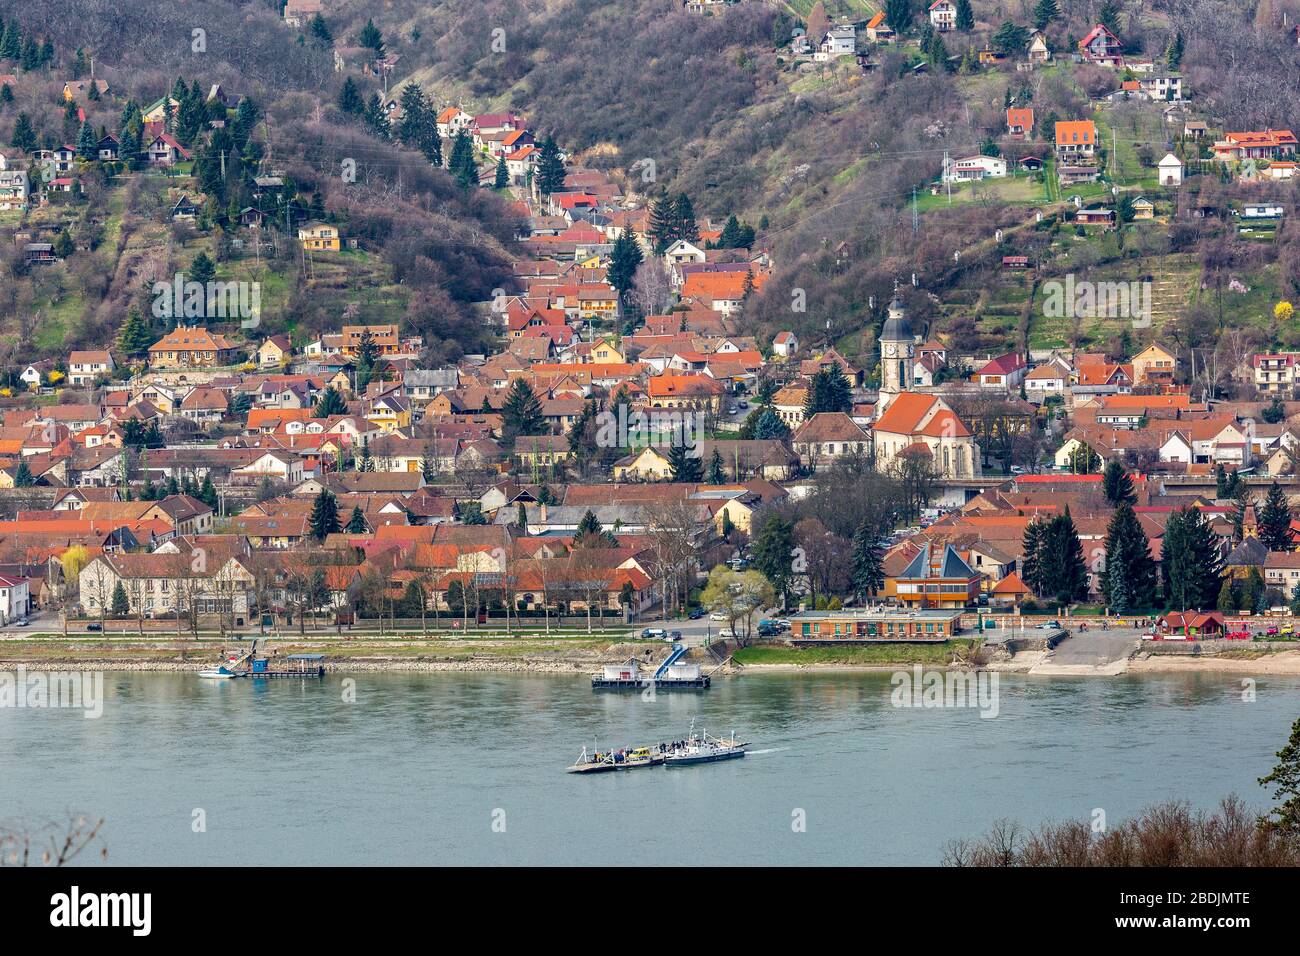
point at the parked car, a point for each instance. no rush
(654, 632)
(717, 616)
(95, 627)
(696, 613)
(673, 636)
(21, 622)
(725, 633)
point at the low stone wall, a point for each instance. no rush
(1213, 648)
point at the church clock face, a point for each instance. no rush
(889, 348)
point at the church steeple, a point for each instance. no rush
(897, 351)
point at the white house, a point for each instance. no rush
(785, 344)
(84, 367)
(15, 598)
(975, 167)
(839, 41)
(943, 15)
(1171, 170)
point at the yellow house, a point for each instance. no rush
(319, 236)
(607, 351)
(648, 465)
(273, 351)
(592, 262)
(390, 413)
(1154, 365)
(741, 515)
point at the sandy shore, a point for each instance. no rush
(1284, 663)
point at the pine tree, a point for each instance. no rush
(661, 227)
(868, 570)
(121, 603)
(24, 137)
(685, 465)
(1285, 779)
(1061, 571)
(590, 533)
(463, 165)
(320, 31)
(1128, 560)
(684, 219)
(357, 522)
(550, 168)
(1117, 484)
(372, 39)
(521, 518)
(330, 403)
(501, 179)
(202, 270)
(23, 476)
(324, 515)
(376, 119)
(208, 493)
(415, 105)
(1045, 12)
(1275, 520)
(1174, 51)
(134, 336)
(716, 475)
(965, 16)
(350, 101)
(624, 259)
(521, 414)
(87, 142)
(1031, 563)
(829, 392)
(1190, 563)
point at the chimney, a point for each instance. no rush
(542, 508)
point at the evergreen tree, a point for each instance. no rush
(521, 518)
(320, 31)
(330, 403)
(365, 463)
(1031, 563)
(376, 119)
(965, 16)
(684, 219)
(1174, 51)
(357, 522)
(1117, 484)
(208, 493)
(1010, 38)
(898, 14)
(773, 552)
(1190, 562)
(661, 228)
(372, 38)
(624, 259)
(769, 425)
(350, 101)
(1045, 12)
(716, 474)
(868, 569)
(686, 467)
(550, 168)
(829, 392)
(501, 178)
(412, 129)
(1275, 520)
(1128, 562)
(521, 414)
(463, 165)
(202, 269)
(24, 137)
(121, 603)
(87, 143)
(590, 533)
(1274, 412)
(23, 476)
(1061, 571)
(1285, 780)
(324, 515)
(134, 337)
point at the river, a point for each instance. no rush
(456, 768)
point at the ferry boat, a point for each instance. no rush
(598, 761)
(704, 749)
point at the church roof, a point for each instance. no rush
(898, 327)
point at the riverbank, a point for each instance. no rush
(582, 655)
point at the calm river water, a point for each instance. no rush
(467, 768)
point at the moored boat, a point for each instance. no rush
(598, 761)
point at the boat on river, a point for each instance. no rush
(703, 748)
(598, 761)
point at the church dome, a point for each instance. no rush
(897, 328)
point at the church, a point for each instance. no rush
(913, 422)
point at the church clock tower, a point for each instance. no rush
(897, 353)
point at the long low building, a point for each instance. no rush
(874, 625)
